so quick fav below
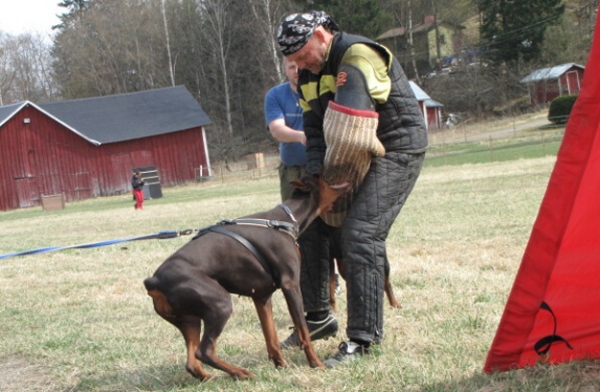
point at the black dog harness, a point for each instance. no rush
(286, 227)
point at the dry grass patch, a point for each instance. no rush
(18, 373)
(80, 320)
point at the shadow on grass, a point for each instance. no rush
(550, 127)
(161, 378)
(575, 376)
(174, 377)
(168, 377)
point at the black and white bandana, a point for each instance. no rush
(296, 29)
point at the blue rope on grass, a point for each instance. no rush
(160, 235)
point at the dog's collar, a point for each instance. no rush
(291, 215)
(286, 227)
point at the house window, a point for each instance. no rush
(442, 39)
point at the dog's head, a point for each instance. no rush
(322, 194)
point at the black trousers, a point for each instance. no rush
(361, 242)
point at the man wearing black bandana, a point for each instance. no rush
(363, 125)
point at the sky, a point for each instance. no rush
(33, 16)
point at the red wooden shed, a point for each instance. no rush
(545, 84)
(432, 110)
(88, 147)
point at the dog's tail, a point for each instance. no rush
(161, 303)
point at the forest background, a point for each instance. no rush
(225, 53)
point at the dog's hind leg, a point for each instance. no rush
(333, 283)
(389, 291)
(264, 308)
(189, 326)
(213, 304)
(190, 329)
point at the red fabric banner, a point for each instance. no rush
(553, 311)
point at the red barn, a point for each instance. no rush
(432, 110)
(88, 147)
(545, 84)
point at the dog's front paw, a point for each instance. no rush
(241, 374)
(317, 364)
(280, 362)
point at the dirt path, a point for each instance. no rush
(494, 129)
(508, 131)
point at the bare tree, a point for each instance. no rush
(164, 15)
(7, 74)
(411, 42)
(25, 72)
(268, 14)
(110, 48)
(438, 59)
(217, 20)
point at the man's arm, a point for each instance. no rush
(285, 134)
(275, 117)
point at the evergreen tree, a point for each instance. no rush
(363, 17)
(73, 7)
(513, 30)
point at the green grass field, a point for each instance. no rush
(80, 320)
(535, 143)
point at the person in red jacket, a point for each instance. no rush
(138, 185)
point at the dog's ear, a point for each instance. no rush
(301, 186)
(306, 184)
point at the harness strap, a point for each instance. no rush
(286, 227)
(247, 244)
(289, 212)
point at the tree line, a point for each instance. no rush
(224, 52)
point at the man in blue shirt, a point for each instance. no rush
(284, 120)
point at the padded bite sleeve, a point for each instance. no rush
(351, 139)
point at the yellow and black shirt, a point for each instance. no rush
(401, 124)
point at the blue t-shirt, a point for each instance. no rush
(283, 102)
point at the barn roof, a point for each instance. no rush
(549, 73)
(423, 96)
(395, 32)
(418, 91)
(117, 118)
(8, 111)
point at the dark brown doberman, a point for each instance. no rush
(250, 256)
